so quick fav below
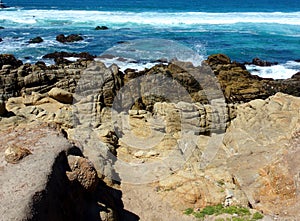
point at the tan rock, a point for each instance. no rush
(14, 154)
(61, 95)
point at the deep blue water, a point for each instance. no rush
(241, 29)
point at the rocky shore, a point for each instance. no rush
(82, 141)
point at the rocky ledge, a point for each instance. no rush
(73, 138)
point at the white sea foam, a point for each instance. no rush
(280, 71)
(148, 18)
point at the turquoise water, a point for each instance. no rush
(241, 29)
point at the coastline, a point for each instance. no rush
(69, 107)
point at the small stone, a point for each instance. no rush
(14, 154)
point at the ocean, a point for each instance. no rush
(242, 30)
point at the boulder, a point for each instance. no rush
(1, 27)
(296, 76)
(1, 39)
(216, 59)
(61, 95)
(8, 59)
(83, 171)
(101, 28)
(262, 63)
(70, 38)
(35, 40)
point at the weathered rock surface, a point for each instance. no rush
(61, 95)
(256, 164)
(239, 85)
(54, 182)
(263, 148)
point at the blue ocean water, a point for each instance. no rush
(241, 29)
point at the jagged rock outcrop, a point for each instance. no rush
(8, 59)
(239, 85)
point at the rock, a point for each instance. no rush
(61, 95)
(101, 28)
(3, 110)
(70, 38)
(296, 76)
(1, 27)
(1, 39)
(259, 62)
(14, 154)
(62, 54)
(83, 171)
(35, 40)
(262, 144)
(217, 59)
(8, 59)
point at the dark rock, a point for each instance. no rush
(35, 40)
(8, 59)
(62, 54)
(3, 110)
(218, 59)
(1, 39)
(41, 65)
(70, 38)
(62, 61)
(101, 28)
(259, 62)
(296, 76)
(297, 60)
(1, 27)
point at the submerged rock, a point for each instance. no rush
(101, 28)
(35, 40)
(70, 38)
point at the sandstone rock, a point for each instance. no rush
(61, 95)
(261, 157)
